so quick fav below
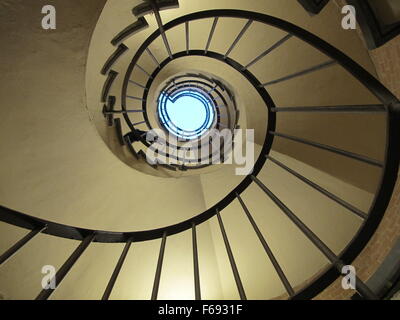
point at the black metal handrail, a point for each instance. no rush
(172, 86)
(175, 86)
(234, 64)
(217, 86)
(389, 167)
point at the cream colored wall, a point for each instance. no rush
(53, 164)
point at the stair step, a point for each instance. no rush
(130, 147)
(144, 157)
(109, 107)
(118, 130)
(130, 30)
(113, 58)
(107, 84)
(146, 8)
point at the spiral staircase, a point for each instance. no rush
(326, 154)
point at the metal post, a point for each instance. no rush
(156, 284)
(123, 111)
(301, 73)
(117, 270)
(137, 123)
(330, 149)
(62, 272)
(235, 271)
(262, 55)
(267, 249)
(328, 253)
(144, 71)
(187, 36)
(153, 57)
(325, 192)
(240, 35)
(214, 25)
(138, 84)
(11, 251)
(372, 108)
(135, 98)
(160, 26)
(197, 291)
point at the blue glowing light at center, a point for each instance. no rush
(188, 114)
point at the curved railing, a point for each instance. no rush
(219, 97)
(389, 106)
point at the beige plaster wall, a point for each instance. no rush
(53, 164)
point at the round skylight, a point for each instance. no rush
(187, 114)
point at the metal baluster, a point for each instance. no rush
(116, 271)
(328, 253)
(62, 272)
(138, 84)
(137, 123)
(235, 271)
(240, 35)
(330, 149)
(301, 73)
(153, 57)
(373, 108)
(18, 245)
(160, 26)
(214, 25)
(269, 50)
(144, 71)
(187, 36)
(157, 278)
(135, 98)
(325, 192)
(123, 111)
(267, 249)
(197, 291)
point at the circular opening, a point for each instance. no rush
(188, 114)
